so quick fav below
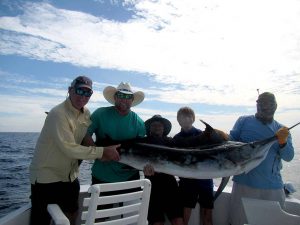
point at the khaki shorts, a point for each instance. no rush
(237, 215)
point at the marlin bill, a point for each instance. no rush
(208, 161)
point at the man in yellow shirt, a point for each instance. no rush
(54, 167)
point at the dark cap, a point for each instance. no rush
(266, 97)
(166, 123)
(82, 81)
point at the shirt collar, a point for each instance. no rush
(73, 109)
(190, 131)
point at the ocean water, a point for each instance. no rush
(16, 150)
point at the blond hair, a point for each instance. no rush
(186, 111)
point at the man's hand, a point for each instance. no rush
(149, 170)
(282, 135)
(110, 153)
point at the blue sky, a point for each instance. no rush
(211, 55)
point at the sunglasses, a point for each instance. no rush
(83, 92)
(124, 96)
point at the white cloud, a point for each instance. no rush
(23, 113)
(220, 52)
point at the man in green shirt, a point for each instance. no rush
(117, 123)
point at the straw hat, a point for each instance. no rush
(166, 123)
(109, 93)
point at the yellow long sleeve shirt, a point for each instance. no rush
(58, 147)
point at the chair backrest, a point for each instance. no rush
(263, 212)
(129, 207)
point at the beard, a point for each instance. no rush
(264, 119)
(122, 107)
(265, 114)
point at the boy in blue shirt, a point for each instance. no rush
(194, 190)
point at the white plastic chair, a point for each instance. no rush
(128, 208)
(263, 212)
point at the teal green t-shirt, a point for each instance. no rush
(107, 122)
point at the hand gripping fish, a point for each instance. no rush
(224, 159)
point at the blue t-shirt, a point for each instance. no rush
(267, 174)
(203, 183)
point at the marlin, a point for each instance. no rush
(224, 159)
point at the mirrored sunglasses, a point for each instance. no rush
(124, 96)
(84, 92)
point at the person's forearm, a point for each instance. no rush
(88, 141)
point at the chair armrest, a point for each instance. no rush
(142, 175)
(57, 215)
